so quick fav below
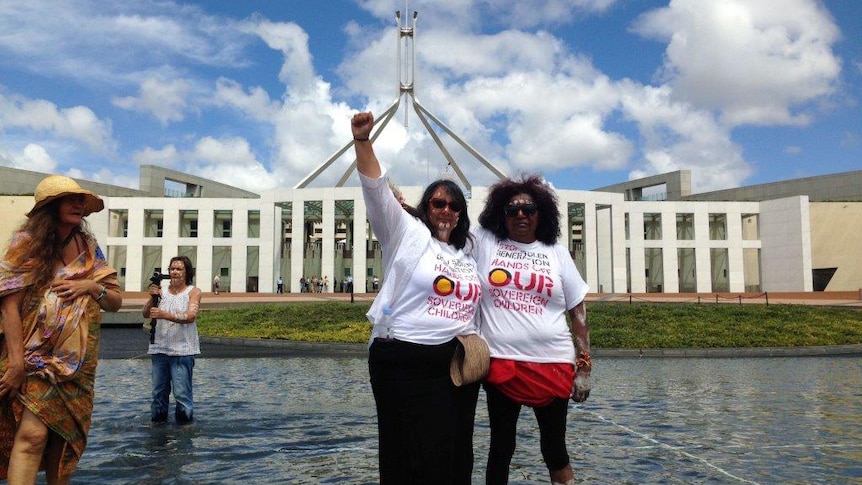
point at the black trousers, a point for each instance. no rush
(503, 416)
(425, 423)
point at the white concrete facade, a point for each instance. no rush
(611, 262)
(619, 245)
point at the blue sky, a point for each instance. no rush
(258, 93)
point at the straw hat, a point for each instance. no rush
(54, 187)
(471, 361)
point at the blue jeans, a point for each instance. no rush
(175, 372)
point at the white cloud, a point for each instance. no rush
(255, 103)
(33, 157)
(292, 41)
(470, 14)
(76, 123)
(229, 161)
(108, 176)
(223, 152)
(97, 43)
(165, 100)
(519, 13)
(489, 55)
(755, 61)
(167, 156)
(520, 96)
(678, 136)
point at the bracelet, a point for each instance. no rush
(584, 361)
(360, 139)
(102, 294)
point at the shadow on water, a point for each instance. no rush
(309, 420)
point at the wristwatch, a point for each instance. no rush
(102, 294)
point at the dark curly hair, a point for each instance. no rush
(458, 236)
(493, 219)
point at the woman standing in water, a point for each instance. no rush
(531, 283)
(54, 283)
(429, 296)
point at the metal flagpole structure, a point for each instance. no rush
(406, 75)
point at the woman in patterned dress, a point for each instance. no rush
(54, 283)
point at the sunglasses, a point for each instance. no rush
(528, 209)
(441, 204)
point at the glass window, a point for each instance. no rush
(119, 223)
(222, 223)
(718, 260)
(254, 223)
(188, 223)
(117, 259)
(718, 227)
(685, 227)
(150, 262)
(343, 241)
(190, 252)
(153, 220)
(654, 270)
(686, 270)
(252, 278)
(652, 226)
(312, 237)
(577, 241)
(221, 259)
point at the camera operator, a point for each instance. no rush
(174, 342)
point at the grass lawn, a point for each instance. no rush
(612, 325)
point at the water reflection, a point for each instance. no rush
(311, 420)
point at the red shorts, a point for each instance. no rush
(531, 383)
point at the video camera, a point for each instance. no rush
(157, 278)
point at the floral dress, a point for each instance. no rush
(61, 347)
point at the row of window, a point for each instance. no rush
(188, 219)
(686, 273)
(223, 225)
(652, 226)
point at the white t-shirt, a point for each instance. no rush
(527, 290)
(430, 290)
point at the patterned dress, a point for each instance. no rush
(61, 349)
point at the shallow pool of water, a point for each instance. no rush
(304, 420)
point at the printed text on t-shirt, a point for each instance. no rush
(520, 280)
